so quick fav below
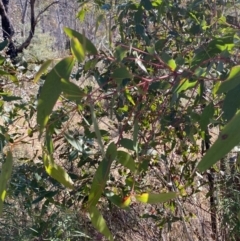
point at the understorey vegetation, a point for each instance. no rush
(119, 120)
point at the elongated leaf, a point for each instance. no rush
(185, 84)
(77, 49)
(3, 45)
(13, 78)
(127, 143)
(76, 143)
(86, 43)
(71, 91)
(228, 138)
(232, 80)
(99, 223)
(155, 198)
(56, 172)
(206, 116)
(129, 96)
(215, 47)
(7, 97)
(52, 89)
(99, 182)
(126, 160)
(97, 131)
(169, 61)
(121, 73)
(147, 4)
(111, 151)
(4, 178)
(135, 136)
(42, 69)
(231, 103)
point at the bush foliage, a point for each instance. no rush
(146, 119)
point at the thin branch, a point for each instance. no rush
(34, 21)
(45, 9)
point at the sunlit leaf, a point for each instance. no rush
(232, 80)
(155, 198)
(228, 138)
(42, 70)
(77, 49)
(169, 61)
(129, 96)
(99, 223)
(5, 175)
(99, 182)
(56, 172)
(81, 14)
(126, 201)
(86, 43)
(185, 84)
(52, 89)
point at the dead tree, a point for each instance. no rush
(8, 30)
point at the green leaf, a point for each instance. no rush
(115, 199)
(111, 151)
(86, 43)
(169, 61)
(42, 70)
(56, 172)
(77, 49)
(146, 4)
(71, 91)
(228, 138)
(127, 143)
(76, 143)
(5, 175)
(3, 45)
(8, 98)
(216, 46)
(81, 14)
(160, 44)
(120, 53)
(97, 131)
(121, 73)
(135, 136)
(232, 80)
(52, 89)
(231, 103)
(185, 84)
(129, 96)
(126, 160)
(49, 143)
(155, 198)
(99, 182)
(12, 77)
(207, 114)
(99, 223)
